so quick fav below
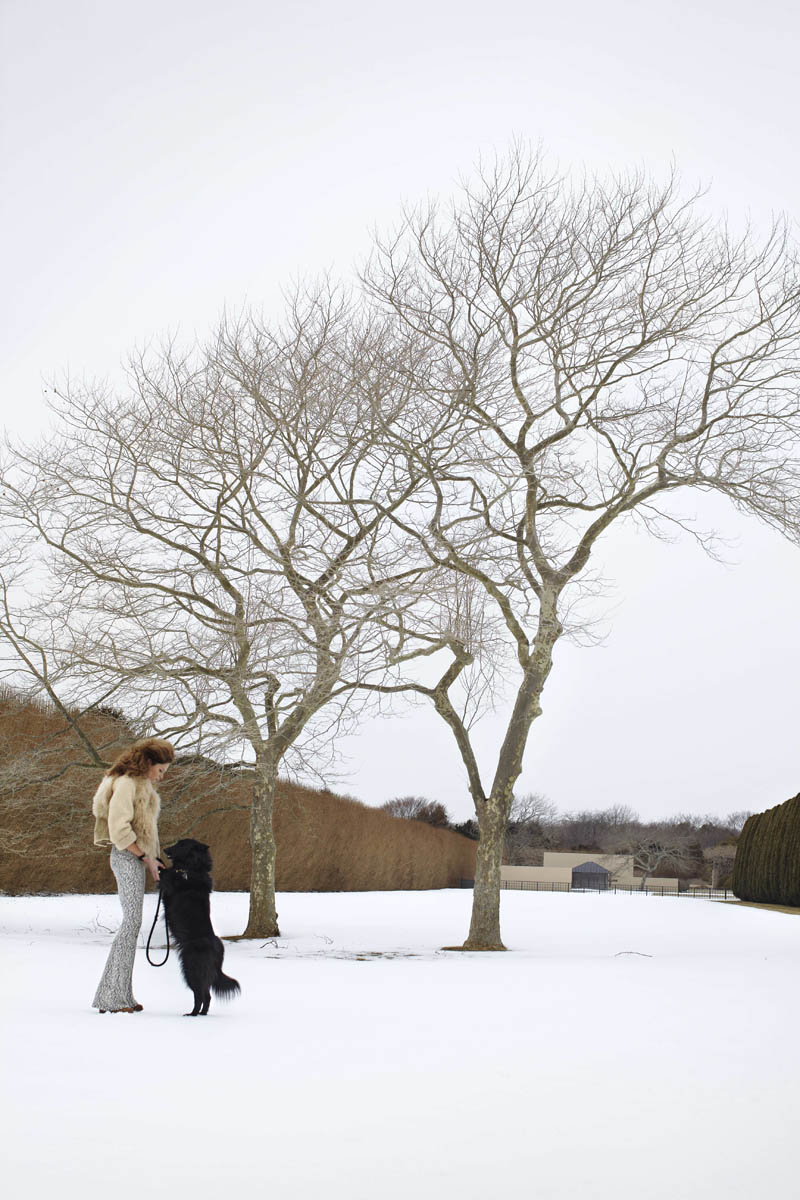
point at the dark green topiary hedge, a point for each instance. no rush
(767, 867)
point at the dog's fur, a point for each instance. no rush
(186, 895)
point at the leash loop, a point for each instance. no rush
(152, 930)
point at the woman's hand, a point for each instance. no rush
(153, 866)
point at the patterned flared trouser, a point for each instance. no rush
(115, 989)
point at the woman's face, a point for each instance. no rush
(157, 771)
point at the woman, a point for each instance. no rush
(126, 808)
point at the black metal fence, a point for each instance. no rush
(536, 885)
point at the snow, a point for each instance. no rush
(624, 1045)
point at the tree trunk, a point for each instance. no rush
(484, 929)
(263, 918)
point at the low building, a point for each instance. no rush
(619, 866)
(557, 878)
(570, 870)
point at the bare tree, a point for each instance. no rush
(668, 851)
(530, 829)
(218, 547)
(735, 821)
(607, 347)
(620, 816)
(417, 808)
(604, 830)
(531, 808)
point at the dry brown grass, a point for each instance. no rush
(325, 842)
(783, 908)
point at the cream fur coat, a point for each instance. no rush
(126, 809)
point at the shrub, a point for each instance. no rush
(767, 866)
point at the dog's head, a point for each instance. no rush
(189, 855)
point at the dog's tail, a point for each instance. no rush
(225, 987)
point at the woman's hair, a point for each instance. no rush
(141, 756)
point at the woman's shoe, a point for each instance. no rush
(138, 1008)
(113, 1010)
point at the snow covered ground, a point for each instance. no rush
(625, 1046)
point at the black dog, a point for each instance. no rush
(186, 892)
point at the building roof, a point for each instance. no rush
(590, 868)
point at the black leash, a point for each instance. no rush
(152, 930)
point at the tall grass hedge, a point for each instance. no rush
(325, 842)
(767, 867)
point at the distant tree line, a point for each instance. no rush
(685, 845)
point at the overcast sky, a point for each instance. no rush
(161, 160)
